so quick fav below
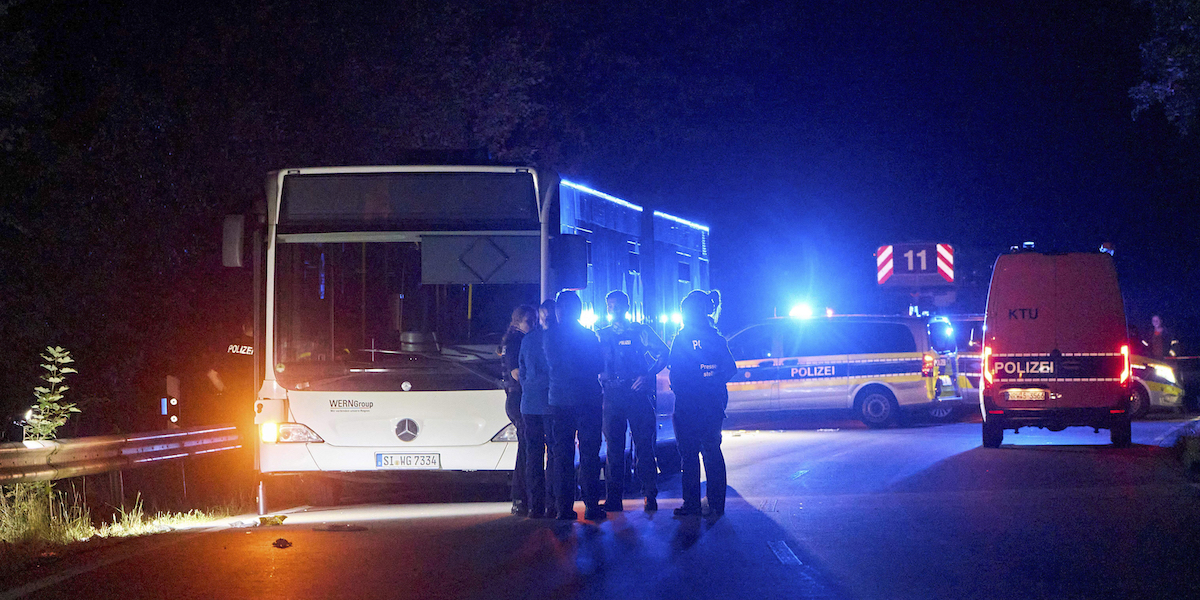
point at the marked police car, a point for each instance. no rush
(875, 366)
(1154, 386)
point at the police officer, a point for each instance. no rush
(628, 383)
(700, 366)
(574, 359)
(230, 372)
(534, 375)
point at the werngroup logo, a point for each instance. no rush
(407, 430)
(341, 405)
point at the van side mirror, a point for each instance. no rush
(569, 261)
(941, 337)
(233, 241)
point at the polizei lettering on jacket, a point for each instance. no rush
(1021, 368)
(238, 349)
(354, 404)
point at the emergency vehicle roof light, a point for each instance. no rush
(801, 311)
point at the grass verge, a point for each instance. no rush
(39, 524)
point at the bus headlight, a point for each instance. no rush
(289, 433)
(508, 434)
(1165, 372)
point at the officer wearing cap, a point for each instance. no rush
(628, 381)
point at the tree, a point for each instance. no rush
(1171, 63)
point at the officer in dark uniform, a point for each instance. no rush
(700, 366)
(231, 373)
(574, 361)
(628, 380)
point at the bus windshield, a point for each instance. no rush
(359, 316)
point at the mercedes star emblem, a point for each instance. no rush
(407, 430)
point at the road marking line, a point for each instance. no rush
(784, 553)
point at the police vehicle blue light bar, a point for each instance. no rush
(664, 215)
(613, 199)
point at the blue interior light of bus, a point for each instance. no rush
(599, 194)
(664, 215)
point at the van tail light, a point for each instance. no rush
(985, 375)
(927, 366)
(1125, 369)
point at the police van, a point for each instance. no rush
(876, 366)
(1155, 382)
(1056, 352)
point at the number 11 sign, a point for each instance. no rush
(915, 265)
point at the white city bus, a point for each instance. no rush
(383, 293)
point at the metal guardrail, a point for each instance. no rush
(48, 460)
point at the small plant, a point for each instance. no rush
(51, 412)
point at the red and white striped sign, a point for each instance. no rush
(945, 262)
(883, 264)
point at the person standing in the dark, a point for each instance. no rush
(231, 373)
(1160, 343)
(535, 411)
(573, 355)
(700, 366)
(524, 319)
(628, 381)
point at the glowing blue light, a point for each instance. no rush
(801, 311)
(628, 317)
(681, 221)
(599, 194)
(588, 318)
(677, 318)
(829, 312)
(663, 318)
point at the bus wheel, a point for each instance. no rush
(877, 407)
(1121, 433)
(993, 433)
(1139, 402)
(943, 413)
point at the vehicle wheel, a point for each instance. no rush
(943, 413)
(1139, 402)
(1121, 434)
(322, 491)
(993, 433)
(877, 407)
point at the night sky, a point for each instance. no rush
(806, 135)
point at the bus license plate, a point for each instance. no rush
(1025, 395)
(408, 461)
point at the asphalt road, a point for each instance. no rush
(818, 508)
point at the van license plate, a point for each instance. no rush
(389, 460)
(1025, 395)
